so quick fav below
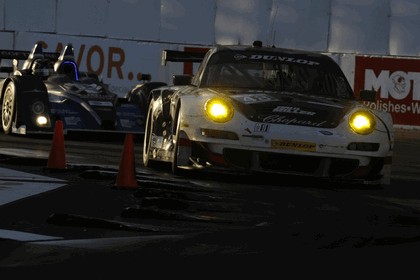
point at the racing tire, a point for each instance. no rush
(148, 133)
(174, 163)
(8, 108)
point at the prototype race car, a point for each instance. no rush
(140, 94)
(50, 87)
(265, 109)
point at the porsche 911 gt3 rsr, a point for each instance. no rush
(265, 109)
(50, 87)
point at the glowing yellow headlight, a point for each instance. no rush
(219, 110)
(362, 122)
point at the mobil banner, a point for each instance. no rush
(397, 83)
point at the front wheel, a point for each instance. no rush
(148, 132)
(147, 142)
(8, 110)
(177, 122)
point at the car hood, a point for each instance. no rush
(290, 108)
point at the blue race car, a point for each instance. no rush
(50, 87)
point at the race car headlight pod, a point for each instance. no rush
(38, 110)
(38, 107)
(219, 110)
(362, 122)
(41, 120)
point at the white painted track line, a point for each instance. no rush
(15, 185)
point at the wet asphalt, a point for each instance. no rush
(92, 225)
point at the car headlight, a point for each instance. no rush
(362, 122)
(219, 110)
(41, 120)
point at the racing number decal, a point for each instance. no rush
(293, 145)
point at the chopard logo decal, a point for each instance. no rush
(293, 110)
(291, 121)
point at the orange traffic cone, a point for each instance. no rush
(57, 158)
(126, 177)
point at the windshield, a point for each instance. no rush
(291, 76)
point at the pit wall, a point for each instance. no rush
(375, 42)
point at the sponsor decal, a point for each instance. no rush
(265, 57)
(100, 103)
(293, 145)
(322, 146)
(239, 56)
(254, 98)
(291, 121)
(72, 120)
(292, 110)
(282, 58)
(88, 88)
(397, 83)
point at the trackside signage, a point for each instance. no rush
(397, 83)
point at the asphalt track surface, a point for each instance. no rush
(80, 223)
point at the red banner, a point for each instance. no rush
(188, 66)
(397, 83)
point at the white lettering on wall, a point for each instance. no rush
(397, 84)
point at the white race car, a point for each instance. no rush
(266, 109)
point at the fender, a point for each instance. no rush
(166, 96)
(30, 90)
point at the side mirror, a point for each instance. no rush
(367, 95)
